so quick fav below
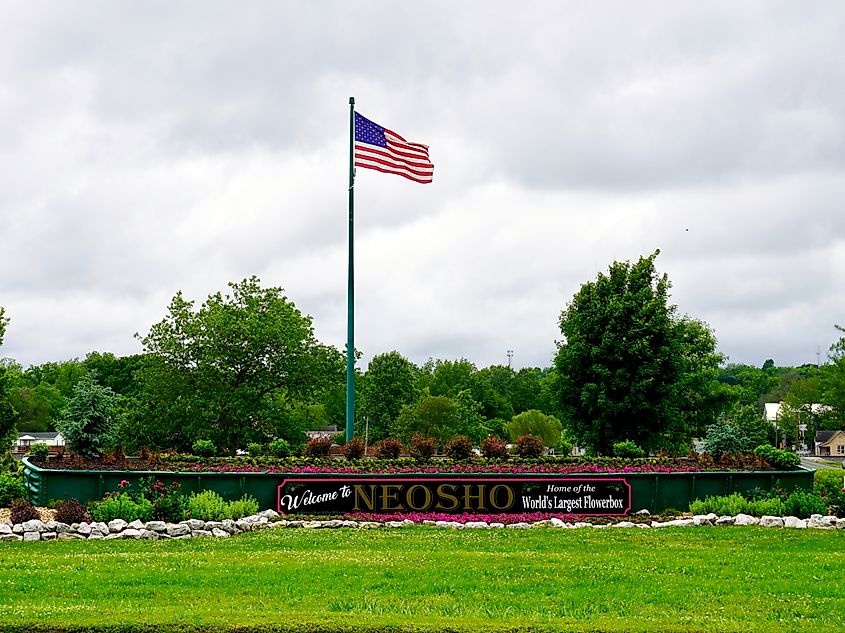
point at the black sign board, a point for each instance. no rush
(385, 494)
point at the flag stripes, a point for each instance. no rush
(386, 151)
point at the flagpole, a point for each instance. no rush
(350, 306)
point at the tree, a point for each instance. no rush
(430, 416)
(448, 378)
(629, 368)
(90, 420)
(388, 385)
(536, 423)
(115, 372)
(751, 426)
(699, 396)
(230, 370)
(8, 414)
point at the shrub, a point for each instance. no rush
(627, 449)
(423, 448)
(777, 458)
(829, 486)
(530, 446)
(208, 506)
(243, 507)
(39, 452)
(21, 511)
(459, 448)
(204, 448)
(119, 505)
(565, 446)
(724, 438)
(318, 447)
(732, 504)
(254, 449)
(493, 448)
(389, 448)
(71, 511)
(279, 448)
(803, 504)
(354, 448)
(770, 507)
(11, 488)
(169, 503)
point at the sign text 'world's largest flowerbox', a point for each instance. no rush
(455, 494)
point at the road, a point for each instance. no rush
(809, 462)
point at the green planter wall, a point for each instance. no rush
(654, 491)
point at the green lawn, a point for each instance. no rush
(686, 579)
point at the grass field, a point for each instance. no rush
(693, 579)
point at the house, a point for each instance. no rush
(830, 443)
(329, 431)
(773, 409)
(27, 438)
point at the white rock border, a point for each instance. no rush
(37, 530)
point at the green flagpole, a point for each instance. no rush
(350, 311)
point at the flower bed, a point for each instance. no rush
(326, 465)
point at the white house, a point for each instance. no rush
(28, 438)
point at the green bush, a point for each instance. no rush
(722, 505)
(800, 503)
(769, 507)
(279, 448)
(828, 485)
(204, 448)
(459, 448)
(778, 458)
(243, 507)
(119, 505)
(254, 449)
(565, 446)
(627, 449)
(39, 452)
(11, 488)
(208, 506)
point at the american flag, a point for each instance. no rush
(380, 149)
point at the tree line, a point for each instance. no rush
(245, 367)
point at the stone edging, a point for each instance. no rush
(37, 530)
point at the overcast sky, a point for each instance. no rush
(148, 147)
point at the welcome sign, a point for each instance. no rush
(454, 494)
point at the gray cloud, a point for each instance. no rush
(152, 147)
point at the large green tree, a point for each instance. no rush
(388, 385)
(7, 412)
(231, 370)
(629, 367)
